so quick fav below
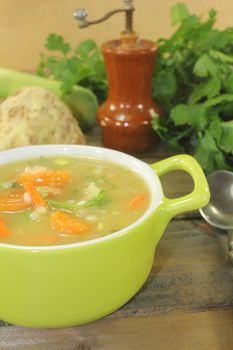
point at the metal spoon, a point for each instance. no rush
(219, 211)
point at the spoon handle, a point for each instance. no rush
(230, 243)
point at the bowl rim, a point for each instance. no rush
(92, 152)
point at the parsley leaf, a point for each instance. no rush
(205, 66)
(209, 89)
(226, 142)
(101, 198)
(193, 83)
(179, 13)
(83, 65)
(194, 115)
(56, 42)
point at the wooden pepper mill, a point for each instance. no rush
(125, 117)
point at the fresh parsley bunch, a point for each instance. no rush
(83, 65)
(193, 83)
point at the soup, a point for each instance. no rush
(53, 201)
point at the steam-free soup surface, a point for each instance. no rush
(53, 201)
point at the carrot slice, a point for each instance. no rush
(48, 177)
(137, 202)
(12, 200)
(67, 223)
(4, 230)
(36, 197)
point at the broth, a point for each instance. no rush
(53, 201)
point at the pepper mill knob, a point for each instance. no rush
(81, 15)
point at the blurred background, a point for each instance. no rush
(25, 24)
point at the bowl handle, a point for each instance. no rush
(200, 195)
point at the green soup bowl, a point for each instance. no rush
(72, 284)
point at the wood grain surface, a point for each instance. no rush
(186, 303)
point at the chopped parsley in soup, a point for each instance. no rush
(52, 201)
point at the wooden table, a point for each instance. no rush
(186, 303)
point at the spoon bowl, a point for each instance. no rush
(219, 211)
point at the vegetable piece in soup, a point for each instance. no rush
(54, 201)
